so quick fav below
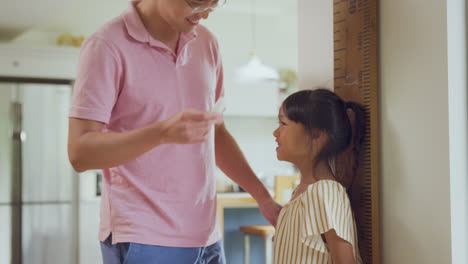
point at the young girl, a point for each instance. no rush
(317, 226)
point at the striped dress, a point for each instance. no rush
(323, 206)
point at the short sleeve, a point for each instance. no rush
(98, 80)
(326, 207)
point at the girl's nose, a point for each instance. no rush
(276, 133)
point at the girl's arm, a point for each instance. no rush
(340, 249)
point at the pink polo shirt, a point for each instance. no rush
(127, 80)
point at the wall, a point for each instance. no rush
(315, 54)
(458, 125)
(416, 172)
(415, 185)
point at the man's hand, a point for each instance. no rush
(189, 127)
(270, 210)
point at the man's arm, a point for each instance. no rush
(232, 162)
(89, 148)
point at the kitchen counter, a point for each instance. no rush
(232, 200)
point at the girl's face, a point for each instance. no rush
(294, 144)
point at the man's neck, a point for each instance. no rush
(156, 26)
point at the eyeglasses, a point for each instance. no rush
(199, 7)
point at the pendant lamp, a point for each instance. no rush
(254, 70)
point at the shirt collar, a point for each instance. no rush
(136, 29)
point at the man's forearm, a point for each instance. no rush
(98, 150)
(232, 162)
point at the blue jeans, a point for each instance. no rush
(134, 253)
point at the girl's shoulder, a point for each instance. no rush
(325, 191)
(325, 187)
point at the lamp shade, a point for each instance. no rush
(256, 71)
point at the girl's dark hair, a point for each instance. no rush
(323, 110)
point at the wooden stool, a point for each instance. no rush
(267, 232)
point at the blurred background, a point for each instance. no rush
(50, 216)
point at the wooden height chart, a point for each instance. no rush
(355, 78)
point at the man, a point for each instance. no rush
(142, 111)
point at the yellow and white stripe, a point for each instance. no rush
(322, 207)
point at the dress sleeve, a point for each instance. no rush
(326, 207)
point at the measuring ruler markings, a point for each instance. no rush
(355, 78)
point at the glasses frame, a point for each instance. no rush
(201, 9)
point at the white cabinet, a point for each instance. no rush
(89, 207)
(89, 226)
(41, 62)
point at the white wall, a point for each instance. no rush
(457, 80)
(415, 179)
(315, 58)
(416, 171)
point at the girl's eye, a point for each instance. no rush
(282, 123)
